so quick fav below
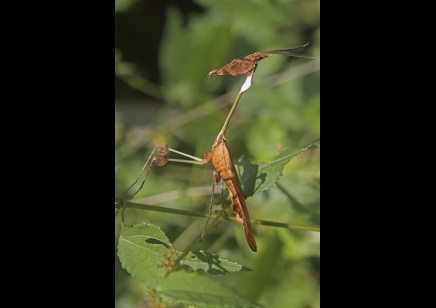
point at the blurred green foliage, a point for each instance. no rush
(186, 111)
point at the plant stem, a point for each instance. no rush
(140, 206)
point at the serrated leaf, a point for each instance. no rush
(141, 248)
(212, 263)
(256, 178)
(200, 291)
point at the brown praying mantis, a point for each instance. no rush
(220, 154)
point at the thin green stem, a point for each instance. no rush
(294, 201)
(281, 225)
(125, 72)
(134, 205)
(154, 208)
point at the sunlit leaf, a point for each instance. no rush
(256, 178)
(141, 248)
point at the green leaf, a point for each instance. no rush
(256, 178)
(141, 248)
(211, 263)
(200, 291)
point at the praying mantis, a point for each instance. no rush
(219, 153)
